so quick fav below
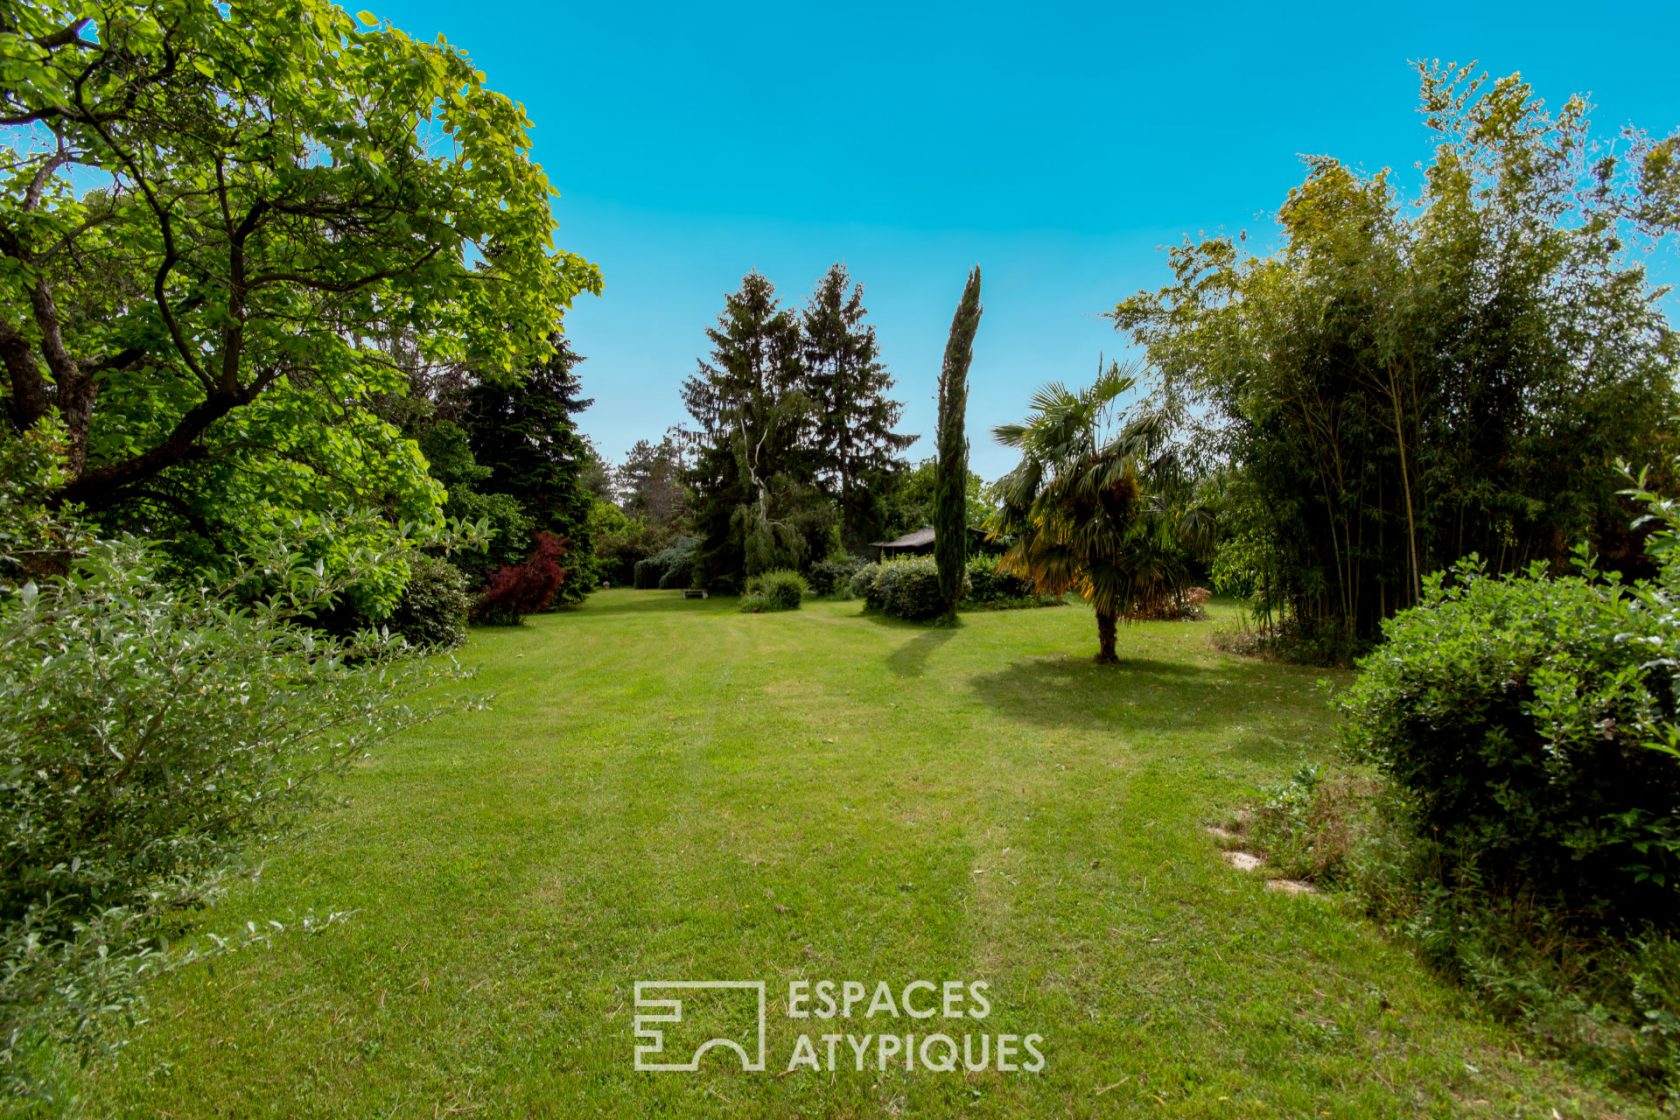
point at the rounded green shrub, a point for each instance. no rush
(863, 586)
(1529, 725)
(780, 590)
(669, 568)
(432, 612)
(908, 588)
(987, 586)
(834, 575)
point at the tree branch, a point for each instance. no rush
(102, 487)
(65, 36)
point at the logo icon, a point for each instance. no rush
(654, 1013)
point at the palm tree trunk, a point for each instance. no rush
(1106, 623)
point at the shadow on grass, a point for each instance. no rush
(1140, 693)
(889, 622)
(910, 659)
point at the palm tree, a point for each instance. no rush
(1079, 512)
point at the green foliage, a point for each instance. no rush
(756, 502)
(1400, 385)
(148, 736)
(620, 541)
(33, 540)
(671, 567)
(950, 520)
(864, 585)
(524, 434)
(909, 499)
(1529, 725)
(1104, 513)
(279, 194)
(1603, 998)
(906, 587)
(432, 613)
(774, 591)
(990, 586)
(650, 488)
(834, 575)
(794, 447)
(1609, 1005)
(852, 417)
(1525, 832)
(1327, 827)
(506, 525)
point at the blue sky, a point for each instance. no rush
(1059, 147)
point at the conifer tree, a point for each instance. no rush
(950, 548)
(525, 434)
(650, 487)
(750, 447)
(851, 432)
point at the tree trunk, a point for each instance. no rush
(1106, 625)
(1414, 586)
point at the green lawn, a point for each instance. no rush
(673, 790)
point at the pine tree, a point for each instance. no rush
(751, 454)
(525, 434)
(650, 487)
(852, 431)
(950, 546)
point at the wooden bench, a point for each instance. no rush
(694, 593)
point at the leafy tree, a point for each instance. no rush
(757, 505)
(524, 434)
(908, 499)
(273, 200)
(1399, 387)
(508, 527)
(852, 430)
(652, 510)
(1078, 510)
(650, 488)
(620, 541)
(951, 473)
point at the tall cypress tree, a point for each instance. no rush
(851, 433)
(950, 547)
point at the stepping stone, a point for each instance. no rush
(1219, 833)
(1242, 861)
(1290, 886)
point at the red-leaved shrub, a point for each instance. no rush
(522, 589)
